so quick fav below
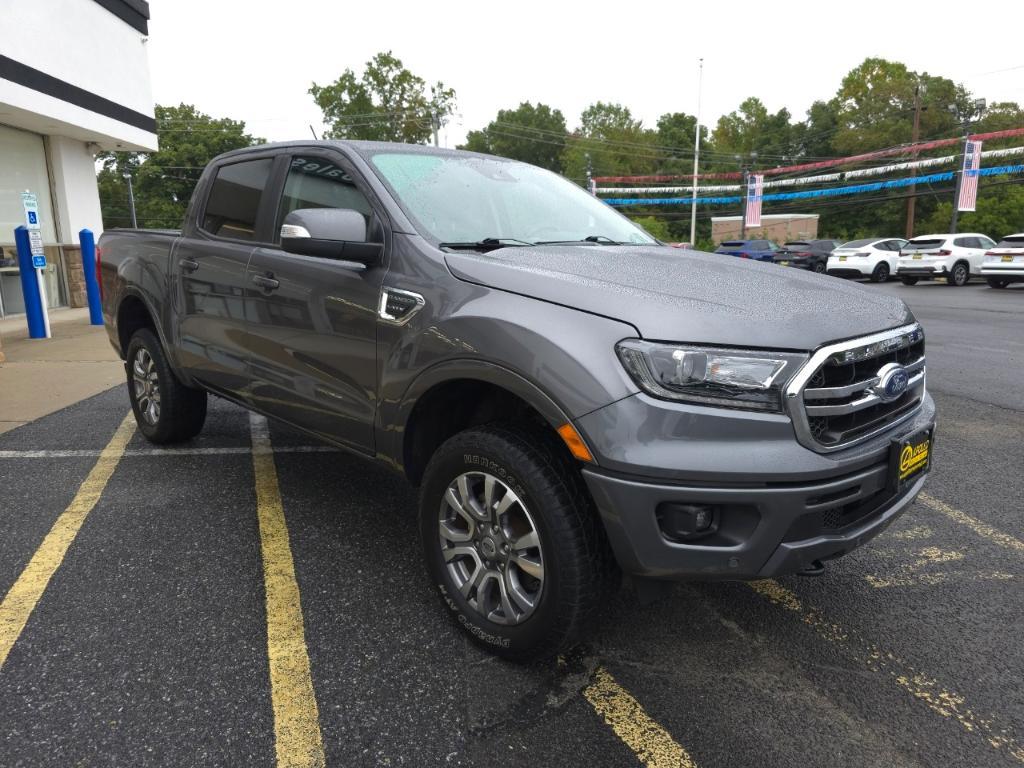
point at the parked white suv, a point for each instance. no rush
(955, 257)
(1004, 264)
(872, 257)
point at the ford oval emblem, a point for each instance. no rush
(893, 381)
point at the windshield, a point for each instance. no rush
(464, 198)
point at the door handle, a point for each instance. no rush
(188, 265)
(266, 281)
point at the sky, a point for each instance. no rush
(254, 61)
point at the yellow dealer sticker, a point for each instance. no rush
(913, 458)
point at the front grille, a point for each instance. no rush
(836, 519)
(837, 400)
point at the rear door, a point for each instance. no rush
(209, 271)
(313, 337)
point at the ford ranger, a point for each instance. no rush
(573, 399)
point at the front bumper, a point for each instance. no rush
(779, 516)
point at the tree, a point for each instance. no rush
(1000, 211)
(752, 128)
(654, 227)
(163, 180)
(386, 103)
(533, 134)
(876, 106)
(612, 142)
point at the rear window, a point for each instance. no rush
(797, 244)
(732, 244)
(235, 199)
(1011, 242)
(923, 244)
(858, 243)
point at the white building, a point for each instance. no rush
(74, 80)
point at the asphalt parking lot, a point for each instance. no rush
(149, 643)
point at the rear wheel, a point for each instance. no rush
(881, 273)
(820, 267)
(166, 411)
(908, 280)
(997, 282)
(511, 541)
(960, 275)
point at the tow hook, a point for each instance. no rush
(814, 569)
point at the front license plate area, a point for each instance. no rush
(909, 457)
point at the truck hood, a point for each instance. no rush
(669, 294)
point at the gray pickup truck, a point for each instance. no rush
(573, 399)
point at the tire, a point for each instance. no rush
(819, 267)
(909, 280)
(554, 588)
(997, 282)
(166, 411)
(960, 274)
(880, 273)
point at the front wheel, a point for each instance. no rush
(511, 541)
(820, 267)
(881, 273)
(997, 282)
(908, 280)
(166, 411)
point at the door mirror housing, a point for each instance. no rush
(329, 233)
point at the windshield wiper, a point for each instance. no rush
(595, 239)
(487, 244)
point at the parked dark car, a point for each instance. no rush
(758, 250)
(571, 397)
(806, 254)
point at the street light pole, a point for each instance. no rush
(696, 157)
(914, 136)
(131, 199)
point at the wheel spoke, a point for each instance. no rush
(452, 552)
(455, 503)
(525, 602)
(506, 605)
(474, 580)
(526, 541)
(489, 481)
(454, 535)
(529, 565)
(506, 501)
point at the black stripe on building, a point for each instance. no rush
(135, 13)
(22, 74)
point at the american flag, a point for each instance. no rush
(969, 176)
(755, 188)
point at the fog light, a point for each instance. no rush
(684, 522)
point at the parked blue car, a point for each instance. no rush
(758, 250)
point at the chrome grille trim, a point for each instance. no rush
(804, 403)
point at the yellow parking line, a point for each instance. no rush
(939, 699)
(652, 744)
(979, 527)
(26, 592)
(297, 738)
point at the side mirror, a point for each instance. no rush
(329, 233)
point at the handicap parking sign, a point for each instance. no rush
(39, 262)
(33, 218)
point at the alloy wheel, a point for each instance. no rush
(491, 548)
(147, 386)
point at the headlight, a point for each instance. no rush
(730, 378)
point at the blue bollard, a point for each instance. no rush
(92, 286)
(29, 285)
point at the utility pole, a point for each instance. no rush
(696, 157)
(435, 123)
(131, 199)
(914, 136)
(591, 187)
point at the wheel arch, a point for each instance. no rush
(453, 396)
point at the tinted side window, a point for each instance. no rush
(964, 242)
(235, 199)
(316, 182)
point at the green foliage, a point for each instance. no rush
(163, 180)
(533, 134)
(613, 142)
(752, 128)
(1000, 212)
(386, 103)
(655, 227)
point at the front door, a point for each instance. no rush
(210, 272)
(313, 321)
